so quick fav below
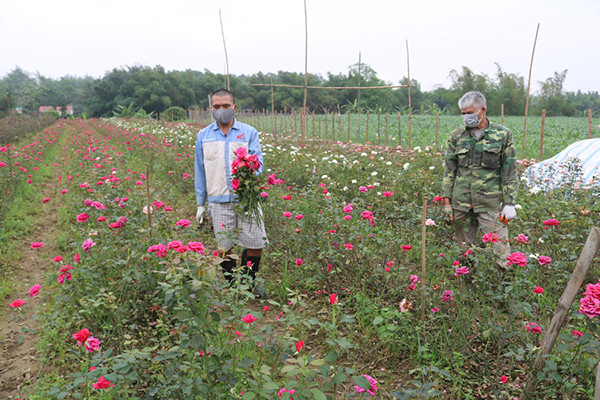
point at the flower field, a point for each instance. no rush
(134, 307)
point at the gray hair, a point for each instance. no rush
(475, 99)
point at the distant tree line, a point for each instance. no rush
(156, 90)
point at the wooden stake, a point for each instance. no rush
(386, 130)
(325, 126)
(348, 126)
(148, 205)
(501, 114)
(367, 129)
(423, 258)
(562, 310)
(273, 106)
(589, 123)
(542, 134)
(409, 101)
(225, 48)
(333, 126)
(399, 131)
(528, 87)
(303, 117)
(436, 129)
(597, 385)
(319, 128)
(296, 125)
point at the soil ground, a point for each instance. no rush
(19, 361)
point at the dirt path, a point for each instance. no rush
(19, 362)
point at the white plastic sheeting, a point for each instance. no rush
(578, 165)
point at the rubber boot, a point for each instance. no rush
(228, 266)
(254, 261)
(254, 266)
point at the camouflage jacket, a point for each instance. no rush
(480, 174)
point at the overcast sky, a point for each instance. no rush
(85, 37)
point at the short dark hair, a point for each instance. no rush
(223, 93)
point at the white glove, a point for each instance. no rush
(200, 214)
(448, 209)
(509, 212)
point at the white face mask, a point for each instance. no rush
(471, 120)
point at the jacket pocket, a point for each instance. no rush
(491, 157)
(462, 157)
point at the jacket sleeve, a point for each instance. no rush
(450, 166)
(508, 174)
(200, 174)
(254, 148)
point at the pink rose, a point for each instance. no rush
(235, 184)
(544, 260)
(517, 258)
(590, 306)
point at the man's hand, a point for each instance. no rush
(508, 212)
(200, 214)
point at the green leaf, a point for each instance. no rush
(362, 382)
(377, 320)
(347, 319)
(332, 356)
(318, 362)
(246, 362)
(318, 395)
(271, 386)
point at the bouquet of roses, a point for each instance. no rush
(246, 185)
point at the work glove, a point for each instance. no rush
(448, 209)
(508, 212)
(200, 214)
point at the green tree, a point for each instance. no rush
(552, 98)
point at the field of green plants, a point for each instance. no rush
(393, 129)
(139, 311)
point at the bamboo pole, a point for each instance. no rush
(387, 142)
(528, 87)
(358, 101)
(148, 205)
(378, 127)
(303, 116)
(348, 126)
(409, 100)
(339, 122)
(332, 87)
(597, 385)
(542, 134)
(225, 48)
(296, 124)
(501, 114)
(319, 128)
(562, 310)
(313, 125)
(367, 128)
(423, 257)
(273, 106)
(589, 123)
(281, 121)
(333, 126)
(399, 131)
(325, 123)
(436, 129)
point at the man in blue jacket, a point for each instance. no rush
(215, 147)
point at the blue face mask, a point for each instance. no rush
(471, 120)
(223, 116)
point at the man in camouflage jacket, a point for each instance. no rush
(480, 178)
